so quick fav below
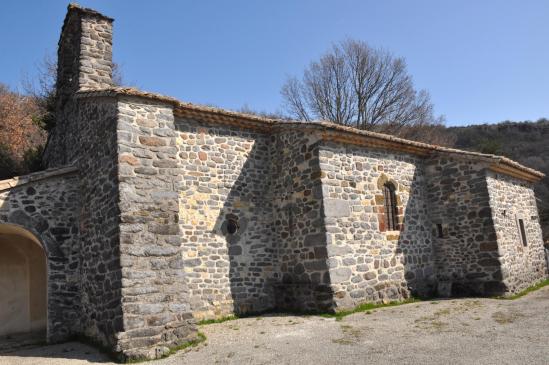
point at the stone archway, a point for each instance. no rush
(23, 282)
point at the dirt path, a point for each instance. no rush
(461, 331)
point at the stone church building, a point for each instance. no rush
(154, 213)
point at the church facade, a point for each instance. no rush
(154, 213)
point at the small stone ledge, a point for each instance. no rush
(392, 235)
(36, 176)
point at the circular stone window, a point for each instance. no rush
(232, 226)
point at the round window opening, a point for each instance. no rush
(232, 226)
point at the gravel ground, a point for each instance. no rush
(460, 331)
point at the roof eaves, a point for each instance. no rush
(36, 176)
(329, 130)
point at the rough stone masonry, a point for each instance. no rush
(155, 213)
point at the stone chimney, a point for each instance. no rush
(84, 62)
(84, 56)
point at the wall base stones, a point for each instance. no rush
(304, 297)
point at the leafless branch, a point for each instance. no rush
(356, 85)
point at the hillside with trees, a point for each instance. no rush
(21, 136)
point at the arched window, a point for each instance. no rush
(391, 211)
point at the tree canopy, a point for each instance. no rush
(356, 85)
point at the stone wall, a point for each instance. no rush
(47, 205)
(225, 175)
(511, 199)
(466, 252)
(367, 262)
(85, 136)
(94, 151)
(302, 280)
(156, 310)
(95, 52)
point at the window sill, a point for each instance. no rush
(392, 235)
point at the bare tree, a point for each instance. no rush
(43, 90)
(356, 85)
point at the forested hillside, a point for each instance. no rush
(21, 135)
(525, 142)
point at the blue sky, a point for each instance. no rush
(481, 61)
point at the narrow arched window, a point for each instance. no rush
(391, 211)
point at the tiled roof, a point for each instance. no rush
(330, 131)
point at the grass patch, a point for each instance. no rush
(506, 318)
(434, 322)
(342, 341)
(351, 335)
(443, 312)
(200, 337)
(217, 320)
(366, 307)
(428, 323)
(530, 289)
(339, 315)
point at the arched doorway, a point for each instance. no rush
(23, 282)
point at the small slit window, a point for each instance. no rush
(522, 232)
(291, 221)
(440, 231)
(391, 213)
